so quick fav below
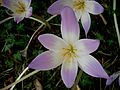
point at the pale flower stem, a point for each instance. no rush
(51, 18)
(38, 30)
(35, 19)
(5, 20)
(19, 77)
(115, 21)
(33, 35)
(23, 78)
(103, 19)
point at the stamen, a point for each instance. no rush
(79, 4)
(69, 51)
(21, 8)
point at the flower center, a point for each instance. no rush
(79, 4)
(21, 8)
(69, 52)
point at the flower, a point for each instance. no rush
(69, 51)
(113, 77)
(20, 9)
(82, 8)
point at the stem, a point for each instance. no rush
(77, 80)
(104, 21)
(5, 20)
(115, 21)
(33, 36)
(19, 77)
(23, 78)
(37, 31)
(37, 20)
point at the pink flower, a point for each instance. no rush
(69, 51)
(20, 9)
(82, 8)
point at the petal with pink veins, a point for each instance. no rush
(69, 72)
(69, 25)
(92, 67)
(87, 46)
(86, 21)
(94, 7)
(52, 42)
(45, 61)
(10, 4)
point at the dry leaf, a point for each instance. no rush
(78, 88)
(38, 85)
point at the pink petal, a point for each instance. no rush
(56, 7)
(111, 78)
(51, 42)
(10, 4)
(94, 7)
(45, 61)
(92, 67)
(28, 13)
(69, 26)
(86, 22)
(18, 18)
(87, 46)
(69, 72)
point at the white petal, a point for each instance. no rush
(26, 2)
(86, 22)
(28, 13)
(69, 72)
(94, 7)
(45, 61)
(87, 46)
(69, 25)
(18, 18)
(92, 67)
(52, 42)
(78, 15)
